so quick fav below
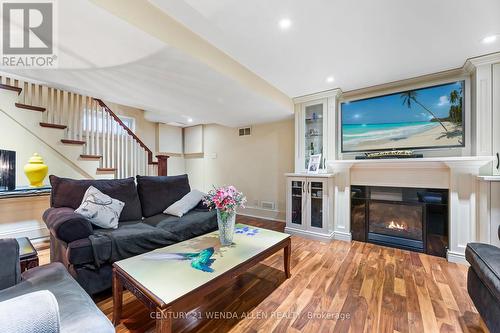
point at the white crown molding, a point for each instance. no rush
(320, 95)
(471, 63)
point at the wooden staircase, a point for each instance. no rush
(69, 122)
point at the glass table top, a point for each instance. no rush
(173, 271)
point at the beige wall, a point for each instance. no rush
(15, 137)
(144, 129)
(254, 164)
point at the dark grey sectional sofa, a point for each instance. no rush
(483, 281)
(88, 251)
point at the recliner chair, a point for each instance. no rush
(483, 281)
(44, 299)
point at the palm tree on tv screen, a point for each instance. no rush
(410, 97)
(456, 102)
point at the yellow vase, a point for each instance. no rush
(36, 170)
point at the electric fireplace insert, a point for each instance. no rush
(408, 218)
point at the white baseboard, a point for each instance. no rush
(343, 236)
(267, 214)
(456, 257)
(309, 234)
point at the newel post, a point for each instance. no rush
(162, 164)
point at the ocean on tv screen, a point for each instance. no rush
(429, 117)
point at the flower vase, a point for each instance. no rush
(226, 222)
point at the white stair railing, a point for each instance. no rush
(89, 122)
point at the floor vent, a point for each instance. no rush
(244, 131)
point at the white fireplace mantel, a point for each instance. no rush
(458, 174)
(426, 162)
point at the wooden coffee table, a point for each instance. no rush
(176, 277)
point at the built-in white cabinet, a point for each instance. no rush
(496, 116)
(310, 205)
(315, 121)
(495, 214)
(489, 210)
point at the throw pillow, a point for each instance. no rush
(188, 202)
(101, 210)
(69, 193)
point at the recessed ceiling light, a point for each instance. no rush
(285, 23)
(489, 39)
(330, 79)
(190, 120)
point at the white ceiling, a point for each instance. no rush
(103, 56)
(359, 42)
(171, 87)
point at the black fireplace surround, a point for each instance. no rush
(407, 218)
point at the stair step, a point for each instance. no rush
(92, 157)
(49, 125)
(106, 169)
(11, 88)
(73, 142)
(30, 107)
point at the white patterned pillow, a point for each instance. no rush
(100, 209)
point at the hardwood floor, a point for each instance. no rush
(335, 287)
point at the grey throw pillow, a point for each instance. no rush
(100, 209)
(188, 202)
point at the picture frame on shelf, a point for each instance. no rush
(314, 163)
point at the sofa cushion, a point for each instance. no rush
(69, 193)
(134, 238)
(67, 225)
(485, 261)
(158, 193)
(77, 311)
(192, 224)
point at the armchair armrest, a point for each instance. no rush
(67, 225)
(10, 272)
(42, 317)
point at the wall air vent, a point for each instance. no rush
(244, 131)
(268, 205)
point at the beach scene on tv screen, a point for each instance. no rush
(422, 118)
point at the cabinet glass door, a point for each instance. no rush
(313, 131)
(297, 202)
(316, 189)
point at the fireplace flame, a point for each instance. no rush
(398, 226)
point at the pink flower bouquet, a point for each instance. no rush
(226, 200)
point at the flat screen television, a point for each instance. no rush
(7, 170)
(430, 117)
